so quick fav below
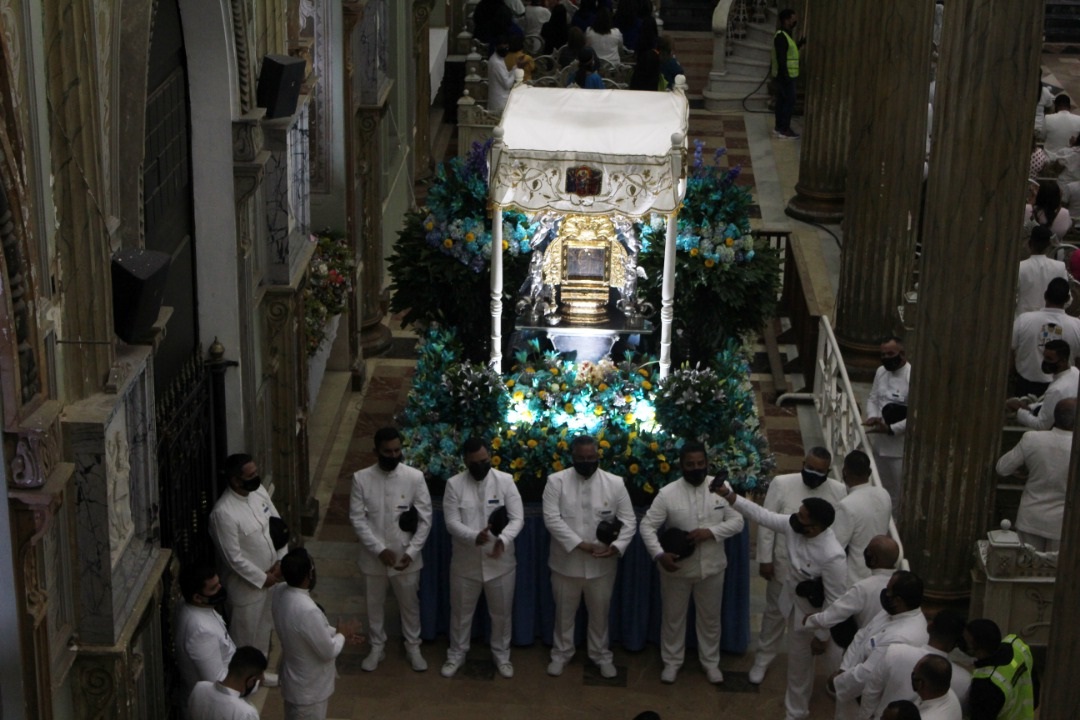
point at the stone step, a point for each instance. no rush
(742, 84)
(734, 101)
(746, 65)
(752, 49)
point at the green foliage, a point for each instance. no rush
(329, 285)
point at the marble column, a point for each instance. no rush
(421, 24)
(830, 67)
(1063, 653)
(989, 58)
(885, 173)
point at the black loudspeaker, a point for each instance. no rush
(279, 85)
(138, 287)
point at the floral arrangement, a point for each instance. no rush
(530, 415)
(329, 285)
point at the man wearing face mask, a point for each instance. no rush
(309, 644)
(785, 496)
(240, 528)
(577, 501)
(501, 77)
(863, 514)
(886, 416)
(390, 510)
(203, 645)
(1057, 362)
(226, 699)
(708, 520)
(483, 512)
(814, 555)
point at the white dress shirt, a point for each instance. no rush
(1032, 330)
(378, 499)
(890, 388)
(214, 701)
(500, 82)
(1060, 127)
(467, 504)
(860, 516)
(681, 505)
(784, 496)
(309, 646)
(946, 707)
(240, 528)
(605, 46)
(1036, 272)
(203, 645)
(867, 650)
(1064, 385)
(819, 556)
(861, 601)
(573, 506)
(891, 679)
(535, 17)
(1045, 454)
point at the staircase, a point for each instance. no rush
(747, 66)
(694, 15)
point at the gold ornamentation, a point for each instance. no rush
(584, 261)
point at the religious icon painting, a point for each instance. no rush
(584, 181)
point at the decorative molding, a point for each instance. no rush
(244, 70)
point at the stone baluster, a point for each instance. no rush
(990, 53)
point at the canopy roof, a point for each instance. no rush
(630, 142)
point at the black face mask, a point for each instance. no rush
(796, 525)
(387, 464)
(217, 598)
(479, 470)
(888, 602)
(502, 51)
(312, 578)
(586, 469)
(813, 479)
(250, 484)
(1048, 367)
(695, 477)
(892, 363)
(250, 690)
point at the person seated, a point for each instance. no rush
(585, 15)
(646, 74)
(669, 64)
(555, 31)
(575, 43)
(586, 75)
(1037, 271)
(1061, 126)
(518, 58)
(500, 76)
(1046, 209)
(491, 20)
(604, 39)
(627, 19)
(536, 15)
(1039, 159)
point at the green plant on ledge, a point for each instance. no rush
(329, 284)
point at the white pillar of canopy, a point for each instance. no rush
(496, 264)
(667, 287)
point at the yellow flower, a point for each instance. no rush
(646, 384)
(554, 371)
(629, 418)
(506, 245)
(529, 369)
(602, 387)
(429, 225)
(510, 383)
(561, 445)
(495, 459)
(633, 468)
(605, 444)
(519, 396)
(557, 465)
(628, 398)
(654, 446)
(729, 242)
(643, 372)
(648, 488)
(517, 476)
(662, 457)
(469, 237)
(694, 252)
(448, 243)
(542, 394)
(496, 443)
(665, 468)
(568, 407)
(598, 410)
(518, 463)
(532, 443)
(709, 262)
(632, 435)
(563, 386)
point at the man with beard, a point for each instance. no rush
(699, 521)
(203, 645)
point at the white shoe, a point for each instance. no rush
(757, 673)
(715, 675)
(449, 668)
(555, 668)
(669, 674)
(376, 656)
(607, 670)
(269, 679)
(419, 664)
(506, 670)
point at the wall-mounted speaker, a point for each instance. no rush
(279, 85)
(138, 288)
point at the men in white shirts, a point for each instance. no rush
(814, 554)
(687, 505)
(1061, 126)
(861, 515)
(1031, 332)
(891, 678)
(931, 680)
(1045, 454)
(240, 528)
(582, 503)
(484, 514)
(886, 416)
(390, 509)
(225, 700)
(203, 645)
(1039, 414)
(785, 495)
(1037, 271)
(309, 644)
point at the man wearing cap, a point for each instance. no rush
(816, 559)
(240, 529)
(390, 509)
(581, 504)
(483, 513)
(686, 506)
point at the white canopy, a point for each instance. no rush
(632, 141)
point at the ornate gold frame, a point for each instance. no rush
(583, 299)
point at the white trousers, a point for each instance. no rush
(568, 592)
(406, 588)
(800, 674)
(315, 711)
(464, 594)
(675, 593)
(251, 624)
(1040, 543)
(891, 470)
(773, 622)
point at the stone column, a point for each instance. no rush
(989, 58)
(829, 70)
(421, 17)
(885, 171)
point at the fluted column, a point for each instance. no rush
(885, 174)
(421, 20)
(828, 75)
(978, 164)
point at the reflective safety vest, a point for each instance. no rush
(1014, 681)
(792, 56)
